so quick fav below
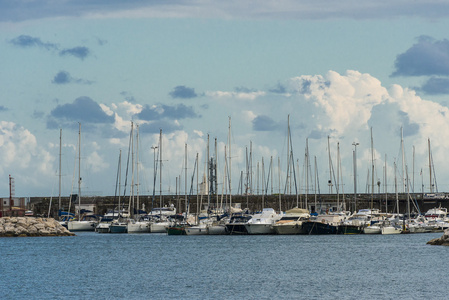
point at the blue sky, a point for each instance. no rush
(337, 68)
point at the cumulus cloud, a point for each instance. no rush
(162, 111)
(265, 123)
(436, 86)
(183, 92)
(425, 58)
(78, 52)
(83, 109)
(64, 77)
(235, 95)
(23, 157)
(26, 41)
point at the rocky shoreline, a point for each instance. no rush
(29, 226)
(441, 241)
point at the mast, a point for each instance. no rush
(60, 149)
(160, 167)
(355, 144)
(230, 165)
(330, 166)
(137, 167)
(430, 168)
(403, 161)
(279, 174)
(79, 173)
(307, 173)
(385, 186)
(288, 155)
(185, 180)
(131, 196)
(209, 169)
(372, 170)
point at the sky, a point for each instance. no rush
(337, 73)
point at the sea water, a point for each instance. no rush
(157, 266)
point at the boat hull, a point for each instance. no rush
(217, 230)
(372, 230)
(103, 228)
(350, 229)
(197, 230)
(288, 229)
(159, 227)
(81, 226)
(259, 228)
(236, 229)
(138, 227)
(391, 230)
(118, 228)
(176, 230)
(312, 227)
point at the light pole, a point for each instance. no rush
(355, 174)
(154, 174)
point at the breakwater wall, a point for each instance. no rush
(29, 226)
(385, 202)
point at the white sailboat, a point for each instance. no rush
(80, 225)
(137, 225)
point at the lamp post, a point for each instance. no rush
(154, 174)
(355, 175)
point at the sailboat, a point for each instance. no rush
(80, 225)
(137, 225)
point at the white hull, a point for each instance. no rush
(197, 230)
(391, 230)
(372, 230)
(138, 227)
(259, 228)
(81, 225)
(159, 227)
(103, 228)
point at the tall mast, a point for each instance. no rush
(430, 168)
(131, 196)
(307, 173)
(330, 165)
(160, 167)
(185, 180)
(372, 169)
(209, 169)
(230, 165)
(279, 174)
(79, 172)
(403, 161)
(137, 166)
(385, 186)
(60, 149)
(288, 154)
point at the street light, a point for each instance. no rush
(355, 175)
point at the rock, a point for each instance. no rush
(441, 241)
(29, 226)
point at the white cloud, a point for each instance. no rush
(235, 95)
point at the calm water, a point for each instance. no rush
(153, 266)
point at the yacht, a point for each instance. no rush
(262, 223)
(291, 221)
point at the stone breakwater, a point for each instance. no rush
(443, 240)
(28, 226)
